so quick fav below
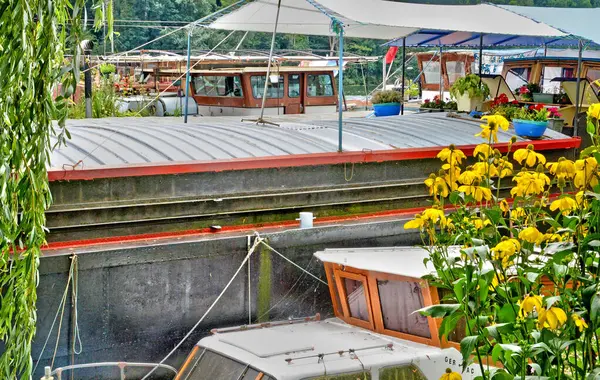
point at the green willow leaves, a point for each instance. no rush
(35, 36)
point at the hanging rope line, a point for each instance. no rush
(257, 241)
(60, 311)
(293, 263)
(191, 24)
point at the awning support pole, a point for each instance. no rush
(480, 56)
(441, 76)
(341, 86)
(403, 73)
(187, 76)
(577, 88)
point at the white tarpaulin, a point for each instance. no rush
(378, 19)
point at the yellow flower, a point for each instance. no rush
(450, 375)
(531, 235)
(530, 304)
(434, 215)
(594, 111)
(565, 204)
(484, 168)
(478, 223)
(552, 318)
(529, 156)
(504, 206)
(482, 150)
(478, 192)
(580, 198)
(498, 276)
(505, 250)
(579, 322)
(562, 169)
(517, 213)
(437, 186)
(586, 173)
(552, 237)
(452, 175)
(417, 223)
(468, 177)
(490, 130)
(529, 183)
(505, 168)
(451, 155)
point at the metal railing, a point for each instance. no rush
(121, 365)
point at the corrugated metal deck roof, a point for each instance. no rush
(122, 141)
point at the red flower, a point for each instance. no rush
(515, 102)
(523, 90)
(538, 107)
(427, 101)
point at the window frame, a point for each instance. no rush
(429, 295)
(234, 76)
(289, 81)
(339, 276)
(282, 82)
(331, 82)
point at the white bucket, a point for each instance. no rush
(306, 219)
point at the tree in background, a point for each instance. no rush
(35, 36)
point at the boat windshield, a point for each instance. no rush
(205, 364)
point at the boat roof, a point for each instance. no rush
(118, 142)
(242, 70)
(269, 349)
(546, 59)
(402, 261)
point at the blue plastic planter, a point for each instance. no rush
(386, 109)
(530, 128)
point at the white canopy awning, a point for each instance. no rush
(378, 19)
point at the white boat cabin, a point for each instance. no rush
(375, 335)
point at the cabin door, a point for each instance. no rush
(295, 94)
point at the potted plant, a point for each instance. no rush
(433, 105)
(107, 69)
(469, 93)
(501, 105)
(555, 120)
(531, 121)
(386, 103)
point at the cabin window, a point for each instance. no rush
(211, 85)
(517, 77)
(399, 300)
(294, 85)
(210, 365)
(250, 374)
(356, 298)
(455, 70)
(407, 372)
(274, 90)
(345, 376)
(319, 85)
(594, 75)
(337, 303)
(431, 72)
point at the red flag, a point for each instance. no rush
(391, 54)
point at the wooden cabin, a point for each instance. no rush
(454, 65)
(380, 289)
(239, 91)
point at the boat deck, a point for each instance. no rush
(117, 142)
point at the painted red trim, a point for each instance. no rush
(240, 228)
(296, 160)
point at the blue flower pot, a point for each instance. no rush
(386, 109)
(530, 128)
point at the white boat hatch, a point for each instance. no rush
(401, 261)
(266, 343)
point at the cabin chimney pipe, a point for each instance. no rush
(86, 47)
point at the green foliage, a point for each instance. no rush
(107, 68)
(387, 96)
(470, 84)
(33, 40)
(531, 113)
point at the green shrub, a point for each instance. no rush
(472, 85)
(387, 96)
(107, 68)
